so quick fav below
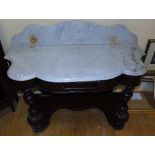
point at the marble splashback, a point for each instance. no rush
(74, 51)
(74, 32)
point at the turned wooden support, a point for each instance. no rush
(54, 97)
(121, 115)
(122, 112)
(35, 117)
(28, 96)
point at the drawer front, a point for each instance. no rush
(96, 86)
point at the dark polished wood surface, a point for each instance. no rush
(78, 87)
(77, 96)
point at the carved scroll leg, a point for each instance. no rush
(35, 117)
(121, 115)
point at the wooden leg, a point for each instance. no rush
(114, 106)
(121, 115)
(35, 117)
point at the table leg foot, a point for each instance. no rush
(118, 116)
(35, 119)
(118, 119)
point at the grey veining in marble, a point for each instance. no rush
(74, 51)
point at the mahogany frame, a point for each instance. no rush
(77, 96)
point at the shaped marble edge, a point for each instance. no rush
(79, 33)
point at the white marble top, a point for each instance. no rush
(56, 59)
